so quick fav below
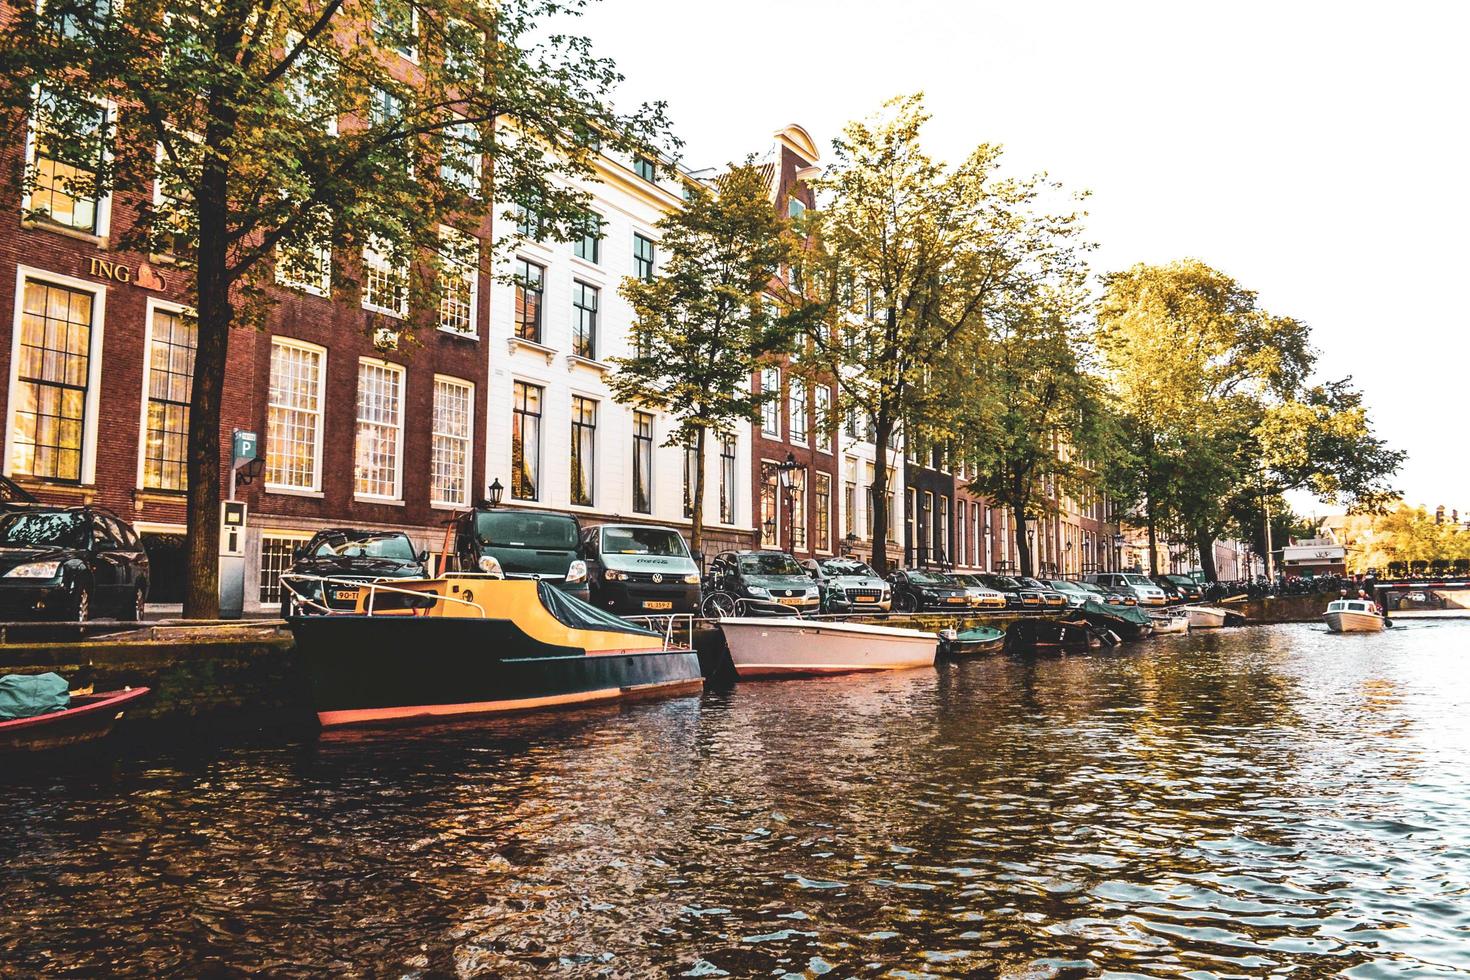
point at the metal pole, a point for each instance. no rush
(1270, 561)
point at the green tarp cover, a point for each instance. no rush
(979, 634)
(1131, 614)
(573, 612)
(28, 695)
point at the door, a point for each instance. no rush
(109, 568)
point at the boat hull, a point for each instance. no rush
(1353, 622)
(969, 643)
(1041, 635)
(91, 717)
(1205, 618)
(1171, 624)
(384, 670)
(761, 647)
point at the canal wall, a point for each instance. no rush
(1281, 609)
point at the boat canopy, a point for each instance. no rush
(1352, 605)
(1129, 614)
(573, 612)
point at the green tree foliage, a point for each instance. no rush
(1215, 393)
(284, 132)
(911, 258)
(706, 324)
(1403, 534)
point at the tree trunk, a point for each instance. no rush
(696, 531)
(1023, 547)
(1153, 536)
(882, 432)
(1205, 542)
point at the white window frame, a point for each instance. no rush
(771, 404)
(153, 306)
(466, 270)
(473, 183)
(293, 40)
(375, 257)
(796, 404)
(321, 413)
(103, 226)
(435, 500)
(396, 496)
(320, 287)
(88, 470)
(822, 419)
(300, 537)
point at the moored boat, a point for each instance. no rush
(1127, 622)
(1046, 635)
(465, 644)
(1170, 622)
(1353, 616)
(970, 642)
(1206, 617)
(88, 717)
(793, 647)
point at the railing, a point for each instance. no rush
(684, 622)
(374, 586)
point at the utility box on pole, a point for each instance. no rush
(246, 464)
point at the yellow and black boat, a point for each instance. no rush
(467, 644)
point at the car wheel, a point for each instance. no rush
(906, 603)
(82, 608)
(718, 605)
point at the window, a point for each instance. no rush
(308, 80)
(172, 338)
(584, 320)
(588, 245)
(795, 207)
(525, 441)
(86, 19)
(691, 466)
(770, 505)
(850, 499)
(824, 420)
(584, 449)
(396, 26)
(464, 50)
(379, 429)
(459, 271)
(306, 262)
(822, 512)
(643, 257)
(800, 418)
(387, 110)
(797, 497)
(530, 283)
(771, 406)
(277, 553)
(384, 279)
(453, 442)
(926, 521)
(727, 479)
(891, 499)
(52, 381)
(528, 222)
(962, 540)
(941, 530)
(645, 168)
(459, 158)
(642, 463)
(68, 142)
(294, 415)
(172, 201)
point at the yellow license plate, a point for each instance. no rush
(792, 602)
(658, 605)
(955, 598)
(346, 595)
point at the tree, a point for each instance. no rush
(706, 324)
(909, 258)
(287, 138)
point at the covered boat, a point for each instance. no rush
(87, 718)
(467, 644)
(1354, 616)
(1128, 622)
(1045, 635)
(793, 647)
(980, 639)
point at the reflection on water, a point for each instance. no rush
(1236, 804)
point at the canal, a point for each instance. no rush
(1243, 803)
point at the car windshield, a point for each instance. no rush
(930, 578)
(508, 529)
(847, 567)
(1030, 583)
(1089, 587)
(1180, 579)
(368, 546)
(658, 541)
(769, 565)
(55, 528)
(1063, 586)
(1002, 582)
(969, 581)
(1137, 580)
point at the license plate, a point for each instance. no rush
(658, 605)
(346, 595)
(792, 602)
(955, 599)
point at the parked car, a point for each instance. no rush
(1017, 595)
(922, 589)
(346, 553)
(758, 582)
(1050, 597)
(1075, 594)
(1147, 592)
(1189, 590)
(638, 569)
(849, 585)
(1111, 594)
(520, 543)
(982, 596)
(70, 563)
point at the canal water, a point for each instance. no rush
(1271, 800)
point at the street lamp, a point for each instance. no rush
(1117, 552)
(1030, 546)
(786, 473)
(849, 543)
(496, 493)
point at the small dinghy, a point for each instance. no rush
(1046, 635)
(793, 647)
(1170, 623)
(1211, 617)
(87, 718)
(1353, 616)
(966, 643)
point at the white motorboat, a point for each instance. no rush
(1353, 616)
(792, 647)
(1205, 617)
(1170, 622)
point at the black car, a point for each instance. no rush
(922, 589)
(1050, 598)
(1017, 595)
(70, 563)
(352, 554)
(759, 583)
(1180, 588)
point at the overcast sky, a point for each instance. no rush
(1314, 151)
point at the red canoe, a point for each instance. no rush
(91, 716)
